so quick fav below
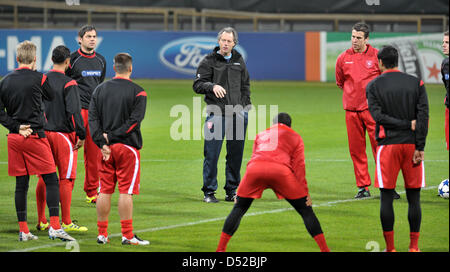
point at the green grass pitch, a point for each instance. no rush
(169, 210)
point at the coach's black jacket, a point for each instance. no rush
(232, 75)
(63, 113)
(444, 72)
(21, 94)
(395, 99)
(117, 109)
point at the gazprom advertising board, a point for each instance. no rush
(277, 56)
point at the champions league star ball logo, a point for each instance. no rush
(185, 54)
(369, 63)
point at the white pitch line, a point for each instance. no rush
(326, 204)
(307, 160)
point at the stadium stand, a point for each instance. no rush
(263, 16)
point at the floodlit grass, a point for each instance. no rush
(169, 210)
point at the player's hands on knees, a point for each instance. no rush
(418, 156)
(25, 130)
(106, 152)
(79, 144)
(219, 91)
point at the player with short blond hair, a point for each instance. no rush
(21, 96)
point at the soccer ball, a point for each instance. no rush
(443, 189)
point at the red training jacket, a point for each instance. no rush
(353, 72)
(282, 145)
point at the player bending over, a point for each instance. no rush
(277, 162)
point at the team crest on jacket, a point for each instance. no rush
(369, 63)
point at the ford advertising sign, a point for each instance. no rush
(158, 54)
(185, 54)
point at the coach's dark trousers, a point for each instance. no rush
(218, 127)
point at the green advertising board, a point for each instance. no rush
(419, 54)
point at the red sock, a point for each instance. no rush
(54, 222)
(102, 227)
(389, 238)
(414, 240)
(65, 197)
(41, 193)
(320, 240)
(127, 228)
(23, 227)
(223, 242)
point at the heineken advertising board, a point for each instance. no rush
(419, 54)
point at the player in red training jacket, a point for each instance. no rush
(115, 114)
(277, 162)
(21, 97)
(65, 133)
(356, 67)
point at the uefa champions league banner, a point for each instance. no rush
(419, 54)
(158, 54)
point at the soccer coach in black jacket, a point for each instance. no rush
(223, 78)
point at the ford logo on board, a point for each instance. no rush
(184, 55)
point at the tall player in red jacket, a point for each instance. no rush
(88, 68)
(277, 162)
(356, 67)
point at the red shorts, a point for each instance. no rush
(261, 175)
(29, 156)
(392, 158)
(65, 157)
(123, 167)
